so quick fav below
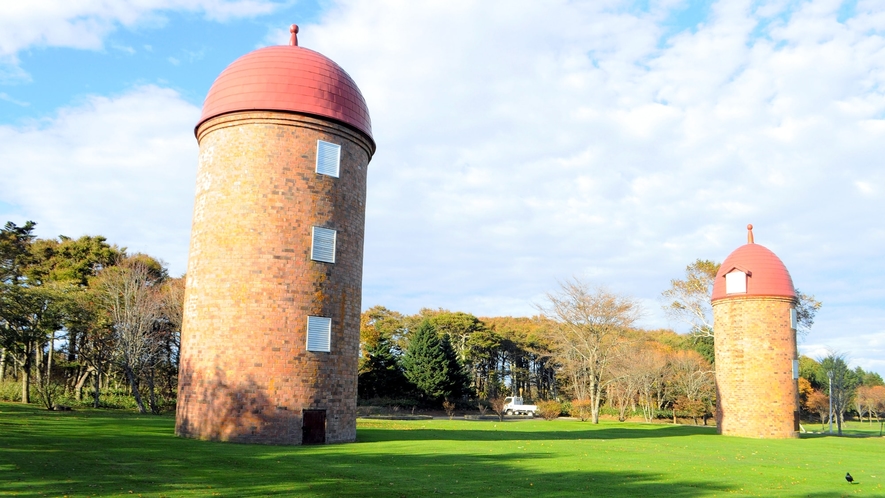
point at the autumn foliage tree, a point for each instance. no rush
(819, 403)
(870, 400)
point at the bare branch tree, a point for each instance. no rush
(806, 309)
(497, 404)
(688, 301)
(590, 330)
(127, 293)
(693, 387)
(649, 365)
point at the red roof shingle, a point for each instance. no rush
(767, 274)
(288, 78)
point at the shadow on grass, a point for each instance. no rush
(94, 454)
(853, 435)
(600, 433)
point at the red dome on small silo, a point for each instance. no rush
(766, 273)
(288, 78)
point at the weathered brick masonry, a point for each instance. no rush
(753, 302)
(245, 372)
(755, 348)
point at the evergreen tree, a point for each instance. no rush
(430, 363)
(703, 344)
(380, 374)
(844, 382)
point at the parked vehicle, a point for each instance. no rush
(513, 405)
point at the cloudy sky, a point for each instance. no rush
(520, 143)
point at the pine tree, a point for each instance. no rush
(432, 366)
(380, 374)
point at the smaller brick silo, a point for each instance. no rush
(757, 366)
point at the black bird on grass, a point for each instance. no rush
(849, 478)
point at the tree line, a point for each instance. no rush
(81, 314)
(79, 317)
(851, 390)
(583, 348)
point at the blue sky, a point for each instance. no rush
(519, 143)
(184, 51)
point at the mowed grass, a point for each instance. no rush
(99, 453)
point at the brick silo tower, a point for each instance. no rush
(270, 338)
(757, 364)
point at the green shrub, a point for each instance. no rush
(549, 409)
(11, 391)
(664, 414)
(112, 398)
(393, 406)
(609, 411)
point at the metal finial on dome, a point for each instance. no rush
(293, 39)
(750, 234)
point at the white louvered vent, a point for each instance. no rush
(323, 246)
(794, 319)
(328, 158)
(736, 282)
(319, 333)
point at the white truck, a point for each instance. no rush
(513, 406)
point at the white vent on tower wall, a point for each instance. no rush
(319, 334)
(795, 369)
(794, 319)
(328, 158)
(323, 246)
(736, 282)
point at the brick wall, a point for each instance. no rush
(245, 372)
(755, 348)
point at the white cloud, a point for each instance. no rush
(84, 24)
(10, 72)
(865, 350)
(123, 167)
(521, 143)
(5, 97)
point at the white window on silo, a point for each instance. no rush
(736, 282)
(328, 158)
(319, 334)
(794, 319)
(323, 245)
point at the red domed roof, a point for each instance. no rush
(766, 273)
(288, 78)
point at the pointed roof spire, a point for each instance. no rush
(750, 234)
(293, 38)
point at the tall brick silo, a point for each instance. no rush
(270, 337)
(757, 364)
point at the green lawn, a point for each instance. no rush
(98, 453)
